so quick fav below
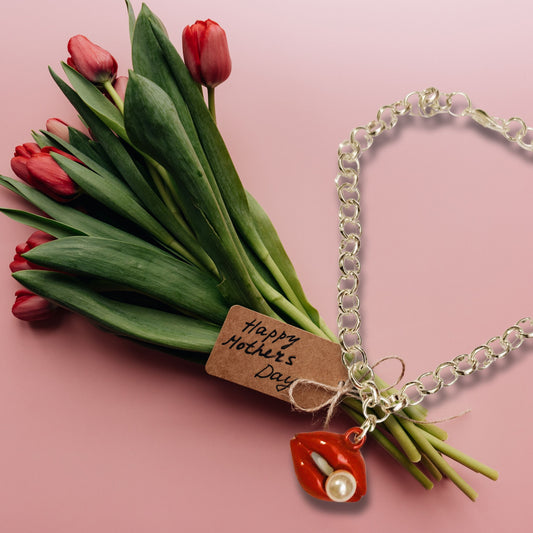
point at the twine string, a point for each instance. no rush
(346, 389)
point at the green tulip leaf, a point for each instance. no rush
(151, 272)
(114, 149)
(276, 250)
(131, 174)
(68, 215)
(48, 225)
(89, 148)
(96, 101)
(145, 324)
(148, 108)
(220, 164)
(131, 18)
(42, 140)
(213, 145)
(114, 194)
(149, 61)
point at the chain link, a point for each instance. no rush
(427, 103)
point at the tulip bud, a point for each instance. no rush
(27, 149)
(31, 307)
(18, 163)
(21, 263)
(59, 128)
(38, 169)
(91, 61)
(48, 177)
(206, 53)
(36, 238)
(120, 86)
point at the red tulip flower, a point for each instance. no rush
(38, 169)
(58, 127)
(22, 154)
(21, 263)
(206, 53)
(91, 61)
(31, 307)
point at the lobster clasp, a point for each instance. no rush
(485, 120)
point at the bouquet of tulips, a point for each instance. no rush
(146, 228)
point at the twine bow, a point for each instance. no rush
(338, 392)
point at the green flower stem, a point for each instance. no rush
(211, 103)
(108, 86)
(418, 414)
(170, 187)
(431, 468)
(159, 173)
(271, 265)
(419, 417)
(392, 450)
(397, 431)
(432, 429)
(462, 458)
(173, 244)
(272, 296)
(422, 441)
(324, 327)
(163, 192)
(394, 427)
(415, 412)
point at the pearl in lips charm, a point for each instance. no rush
(330, 466)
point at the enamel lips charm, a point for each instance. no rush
(330, 466)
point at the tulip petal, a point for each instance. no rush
(19, 263)
(19, 167)
(58, 127)
(27, 149)
(214, 55)
(31, 307)
(37, 238)
(50, 178)
(191, 53)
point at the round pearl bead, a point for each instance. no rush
(340, 486)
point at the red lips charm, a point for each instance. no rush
(330, 466)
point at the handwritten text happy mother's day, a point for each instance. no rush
(267, 355)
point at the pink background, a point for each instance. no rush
(98, 434)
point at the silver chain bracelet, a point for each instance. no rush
(330, 466)
(427, 103)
